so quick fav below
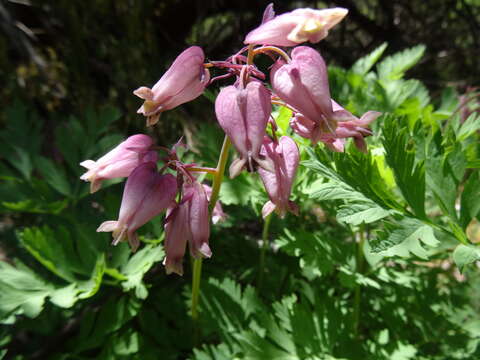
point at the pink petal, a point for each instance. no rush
(243, 115)
(176, 235)
(230, 117)
(295, 27)
(303, 84)
(199, 222)
(182, 82)
(268, 13)
(268, 208)
(136, 188)
(159, 195)
(278, 184)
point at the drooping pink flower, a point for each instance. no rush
(177, 233)
(243, 114)
(120, 161)
(353, 127)
(296, 27)
(285, 157)
(184, 81)
(303, 84)
(189, 221)
(147, 193)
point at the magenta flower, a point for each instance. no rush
(147, 193)
(243, 114)
(278, 184)
(303, 84)
(120, 161)
(184, 81)
(189, 221)
(296, 27)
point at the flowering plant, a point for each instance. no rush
(346, 226)
(243, 111)
(298, 81)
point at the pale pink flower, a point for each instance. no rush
(184, 81)
(296, 27)
(243, 114)
(285, 157)
(120, 161)
(189, 221)
(303, 84)
(147, 193)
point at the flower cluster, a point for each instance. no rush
(298, 81)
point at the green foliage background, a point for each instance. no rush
(380, 264)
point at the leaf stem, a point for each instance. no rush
(218, 176)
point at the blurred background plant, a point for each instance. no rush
(366, 271)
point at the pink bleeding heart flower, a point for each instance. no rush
(184, 81)
(296, 27)
(285, 157)
(303, 84)
(243, 114)
(147, 193)
(120, 161)
(189, 221)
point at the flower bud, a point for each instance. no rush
(189, 221)
(120, 161)
(296, 27)
(243, 114)
(147, 193)
(303, 84)
(184, 81)
(285, 157)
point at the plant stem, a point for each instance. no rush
(359, 270)
(197, 263)
(265, 243)
(275, 49)
(202, 169)
(197, 274)
(216, 184)
(250, 54)
(218, 177)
